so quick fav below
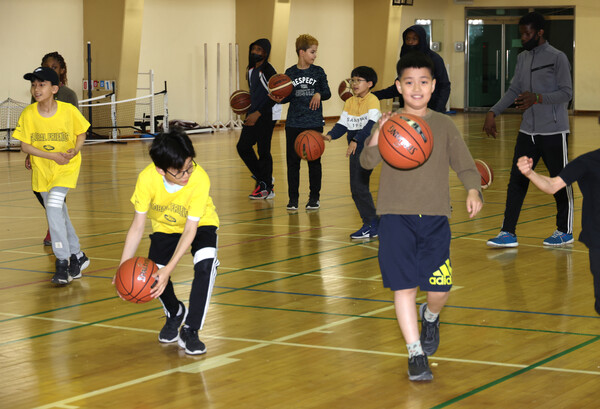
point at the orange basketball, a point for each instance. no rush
(280, 85)
(240, 102)
(309, 145)
(345, 90)
(487, 175)
(405, 141)
(134, 279)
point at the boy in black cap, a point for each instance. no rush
(53, 133)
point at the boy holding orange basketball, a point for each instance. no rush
(260, 121)
(361, 112)
(305, 112)
(414, 206)
(173, 192)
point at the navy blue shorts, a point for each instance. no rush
(414, 251)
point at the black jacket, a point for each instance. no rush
(258, 81)
(442, 82)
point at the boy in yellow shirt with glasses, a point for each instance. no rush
(173, 192)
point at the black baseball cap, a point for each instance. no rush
(43, 74)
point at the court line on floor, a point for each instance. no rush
(420, 298)
(226, 358)
(220, 360)
(516, 373)
(273, 236)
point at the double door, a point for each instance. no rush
(492, 49)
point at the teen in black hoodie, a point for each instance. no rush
(442, 82)
(260, 121)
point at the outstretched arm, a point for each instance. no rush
(544, 183)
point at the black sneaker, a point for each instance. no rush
(418, 368)
(313, 204)
(188, 339)
(74, 269)
(292, 205)
(170, 331)
(62, 272)
(84, 261)
(430, 332)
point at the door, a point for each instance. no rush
(493, 44)
(492, 56)
(512, 47)
(484, 56)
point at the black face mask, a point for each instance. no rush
(531, 44)
(255, 58)
(412, 47)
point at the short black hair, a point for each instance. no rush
(171, 149)
(365, 72)
(414, 59)
(536, 20)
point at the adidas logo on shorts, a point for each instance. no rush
(442, 276)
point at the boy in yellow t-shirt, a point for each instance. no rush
(53, 133)
(173, 192)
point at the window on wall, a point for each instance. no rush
(517, 12)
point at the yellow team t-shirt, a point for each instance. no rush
(170, 211)
(57, 133)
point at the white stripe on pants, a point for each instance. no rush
(64, 238)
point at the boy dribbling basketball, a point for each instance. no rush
(173, 192)
(414, 206)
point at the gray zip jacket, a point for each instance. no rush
(546, 71)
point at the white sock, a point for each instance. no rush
(414, 349)
(429, 316)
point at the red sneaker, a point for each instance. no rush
(48, 239)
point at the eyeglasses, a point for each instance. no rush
(356, 80)
(180, 174)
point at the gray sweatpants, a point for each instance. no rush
(64, 239)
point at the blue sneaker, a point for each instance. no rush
(367, 231)
(362, 233)
(558, 238)
(503, 239)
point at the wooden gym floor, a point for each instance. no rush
(298, 317)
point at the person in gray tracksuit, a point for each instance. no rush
(541, 88)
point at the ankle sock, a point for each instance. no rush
(429, 316)
(414, 349)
